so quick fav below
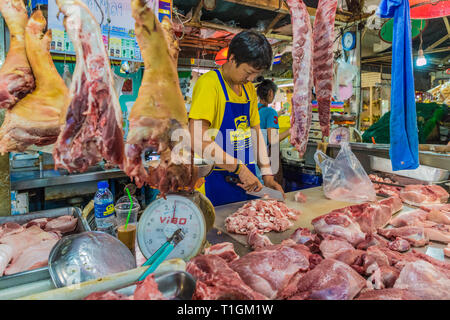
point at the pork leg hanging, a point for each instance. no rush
(16, 78)
(159, 108)
(302, 53)
(35, 118)
(323, 37)
(92, 123)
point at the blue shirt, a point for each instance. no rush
(268, 119)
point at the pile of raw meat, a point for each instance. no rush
(145, 290)
(262, 215)
(343, 258)
(27, 247)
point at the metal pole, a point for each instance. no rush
(357, 106)
(5, 183)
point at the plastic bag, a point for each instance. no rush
(344, 178)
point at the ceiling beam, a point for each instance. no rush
(279, 16)
(281, 7)
(434, 45)
(447, 25)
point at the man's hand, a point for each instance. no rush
(270, 182)
(249, 181)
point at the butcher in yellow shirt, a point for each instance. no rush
(225, 101)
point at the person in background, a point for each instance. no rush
(225, 101)
(268, 116)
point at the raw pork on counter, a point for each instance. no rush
(27, 247)
(264, 215)
(418, 195)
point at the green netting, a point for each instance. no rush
(428, 116)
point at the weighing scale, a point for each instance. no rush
(193, 213)
(343, 130)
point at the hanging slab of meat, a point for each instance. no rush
(264, 215)
(257, 240)
(32, 257)
(387, 294)
(217, 281)
(419, 195)
(225, 250)
(27, 238)
(159, 109)
(302, 54)
(415, 235)
(330, 280)
(91, 124)
(62, 224)
(323, 57)
(16, 78)
(424, 280)
(35, 118)
(268, 270)
(340, 225)
(6, 253)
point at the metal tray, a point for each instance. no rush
(178, 285)
(40, 273)
(424, 173)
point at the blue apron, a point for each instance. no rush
(234, 138)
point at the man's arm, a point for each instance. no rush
(264, 162)
(210, 150)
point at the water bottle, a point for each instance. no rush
(104, 209)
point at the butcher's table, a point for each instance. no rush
(316, 205)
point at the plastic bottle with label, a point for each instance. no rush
(104, 209)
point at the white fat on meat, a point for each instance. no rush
(33, 257)
(424, 194)
(27, 238)
(424, 280)
(339, 225)
(225, 250)
(6, 253)
(415, 235)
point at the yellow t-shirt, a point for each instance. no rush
(208, 100)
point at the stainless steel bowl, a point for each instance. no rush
(87, 256)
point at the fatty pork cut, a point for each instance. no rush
(158, 111)
(323, 37)
(92, 121)
(302, 54)
(16, 78)
(35, 118)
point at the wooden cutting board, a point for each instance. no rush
(316, 205)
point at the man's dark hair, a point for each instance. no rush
(252, 48)
(264, 88)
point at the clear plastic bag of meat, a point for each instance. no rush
(344, 178)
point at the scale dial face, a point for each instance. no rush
(339, 135)
(162, 218)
